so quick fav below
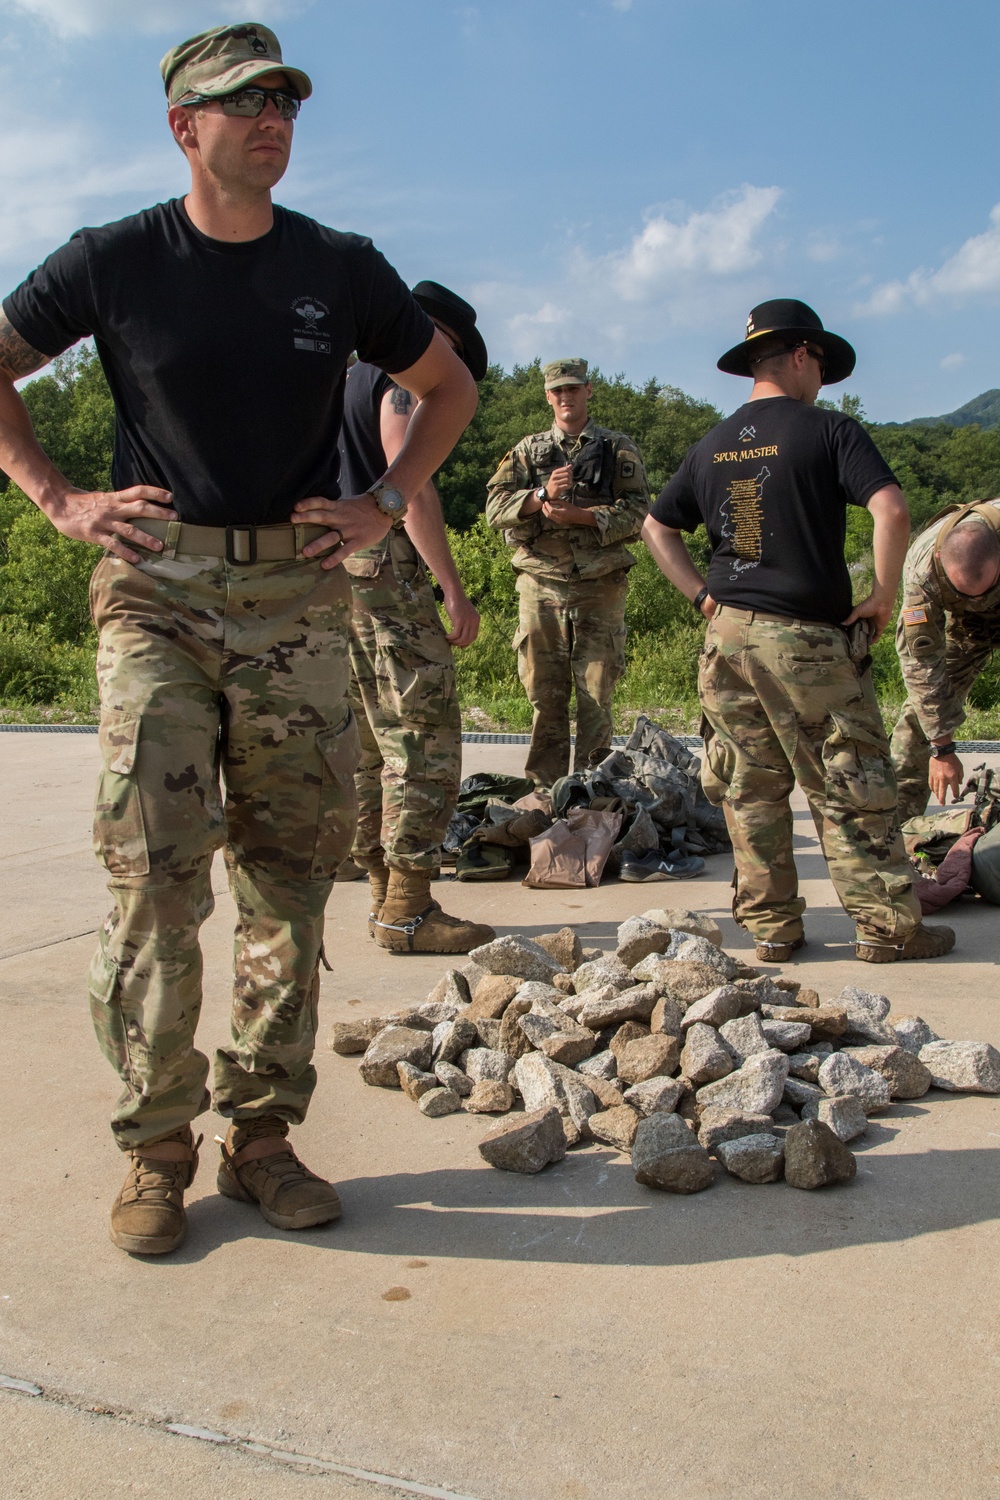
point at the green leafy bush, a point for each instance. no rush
(47, 642)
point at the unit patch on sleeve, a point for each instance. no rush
(914, 617)
(628, 469)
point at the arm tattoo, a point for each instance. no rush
(17, 358)
(401, 401)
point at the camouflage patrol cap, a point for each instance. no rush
(224, 59)
(565, 372)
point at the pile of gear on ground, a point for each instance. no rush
(639, 813)
(955, 852)
(668, 1048)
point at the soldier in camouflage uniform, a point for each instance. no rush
(947, 630)
(223, 611)
(403, 688)
(784, 677)
(567, 528)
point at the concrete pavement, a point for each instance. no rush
(570, 1335)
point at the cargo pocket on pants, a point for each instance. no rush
(119, 826)
(718, 765)
(106, 1014)
(416, 681)
(519, 646)
(857, 768)
(616, 643)
(337, 814)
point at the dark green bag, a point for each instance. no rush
(929, 837)
(479, 861)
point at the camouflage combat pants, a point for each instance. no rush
(206, 666)
(784, 703)
(404, 696)
(570, 635)
(967, 650)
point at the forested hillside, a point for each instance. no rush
(981, 411)
(46, 640)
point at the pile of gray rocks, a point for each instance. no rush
(668, 1048)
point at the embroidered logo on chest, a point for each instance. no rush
(310, 312)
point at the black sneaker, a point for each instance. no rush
(640, 868)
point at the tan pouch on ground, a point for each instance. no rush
(573, 852)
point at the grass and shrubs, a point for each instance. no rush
(47, 641)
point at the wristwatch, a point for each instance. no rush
(541, 494)
(941, 752)
(389, 501)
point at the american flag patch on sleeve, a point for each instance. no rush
(914, 617)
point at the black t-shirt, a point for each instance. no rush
(772, 483)
(226, 361)
(362, 457)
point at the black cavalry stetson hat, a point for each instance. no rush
(794, 321)
(447, 307)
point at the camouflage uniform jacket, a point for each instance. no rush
(934, 615)
(557, 553)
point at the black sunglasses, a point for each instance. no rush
(818, 354)
(249, 103)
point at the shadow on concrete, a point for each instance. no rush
(590, 1211)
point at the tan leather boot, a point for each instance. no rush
(925, 942)
(147, 1217)
(778, 953)
(412, 922)
(259, 1166)
(378, 884)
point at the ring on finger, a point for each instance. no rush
(335, 530)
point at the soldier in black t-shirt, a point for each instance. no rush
(784, 678)
(224, 325)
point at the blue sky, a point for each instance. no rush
(620, 179)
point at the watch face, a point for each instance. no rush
(389, 501)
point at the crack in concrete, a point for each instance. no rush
(285, 1457)
(67, 937)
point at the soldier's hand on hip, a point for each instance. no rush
(708, 606)
(105, 517)
(464, 618)
(944, 772)
(560, 481)
(354, 523)
(876, 609)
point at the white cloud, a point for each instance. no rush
(75, 18)
(719, 241)
(621, 4)
(680, 270)
(953, 361)
(973, 271)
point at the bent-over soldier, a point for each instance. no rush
(948, 628)
(784, 677)
(567, 501)
(403, 687)
(224, 324)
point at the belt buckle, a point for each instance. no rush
(249, 545)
